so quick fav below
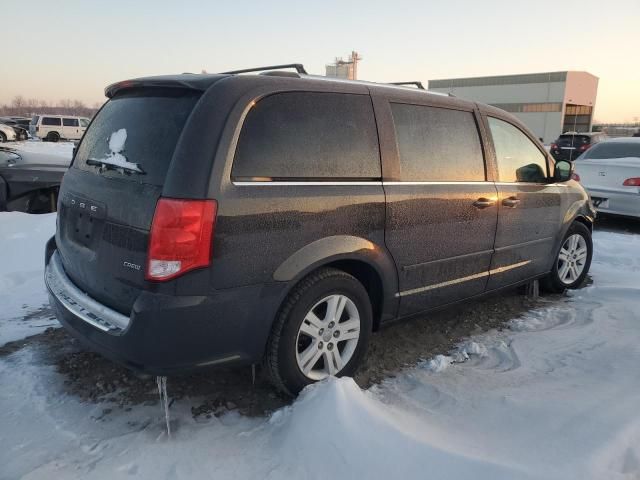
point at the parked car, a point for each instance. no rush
(7, 134)
(571, 145)
(24, 121)
(29, 181)
(232, 219)
(55, 127)
(610, 172)
(22, 132)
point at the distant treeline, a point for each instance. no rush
(27, 107)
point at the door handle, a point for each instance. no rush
(511, 202)
(483, 202)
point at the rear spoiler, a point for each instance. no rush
(187, 81)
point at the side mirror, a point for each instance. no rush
(563, 171)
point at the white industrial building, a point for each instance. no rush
(548, 103)
(346, 69)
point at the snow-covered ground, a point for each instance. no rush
(556, 396)
(22, 292)
(61, 149)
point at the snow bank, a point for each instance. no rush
(334, 430)
(22, 291)
(555, 396)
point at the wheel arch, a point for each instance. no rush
(369, 263)
(588, 222)
(576, 213)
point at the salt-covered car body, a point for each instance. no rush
(203, 215)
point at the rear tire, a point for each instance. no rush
(53, 136)
(322, 329)
(572, 261)
(3, 137)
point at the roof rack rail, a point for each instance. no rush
(298, 66)
(417, 84)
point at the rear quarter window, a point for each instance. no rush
(136, 129)
(308, 135)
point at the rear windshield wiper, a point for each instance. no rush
(116, 162)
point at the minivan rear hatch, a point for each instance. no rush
(108, 196)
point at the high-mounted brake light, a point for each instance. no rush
(632, 182)
(181, 237)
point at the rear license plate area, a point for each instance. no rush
(83, 219)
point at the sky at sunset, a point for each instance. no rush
(73, 49)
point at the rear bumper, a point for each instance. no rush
(617, 203)
(167, 335)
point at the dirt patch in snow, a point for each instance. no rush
(92, 378)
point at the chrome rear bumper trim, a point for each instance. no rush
(78, 302)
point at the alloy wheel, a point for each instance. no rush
(327, 337)
(572, 258)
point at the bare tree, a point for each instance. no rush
(18, 102)
(20, 106)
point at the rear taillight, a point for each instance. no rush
(584, 147)
(181, 237)
(632, 182)
(575, 176)
(554, 146)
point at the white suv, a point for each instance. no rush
(55, 127)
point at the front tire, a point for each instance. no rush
(53, 137)
(3, 137)
(322, 330)
(572, 261)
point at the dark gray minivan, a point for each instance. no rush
(282, 217)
